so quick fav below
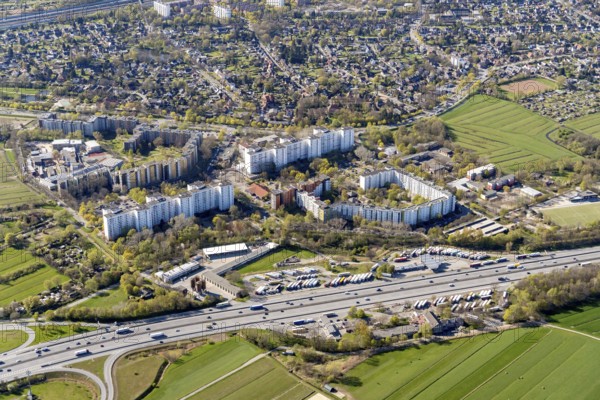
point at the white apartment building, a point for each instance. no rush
(276, 3)
(198, 199)
(440, 201)
(322, 141)
(163, 9)
(221, 12)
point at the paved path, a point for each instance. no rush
(247, 363)
(573, 331)
(30, 332)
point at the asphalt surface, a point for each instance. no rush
(15, 21)
(278, 311)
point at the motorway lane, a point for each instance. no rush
(51, 15)
(196, 323)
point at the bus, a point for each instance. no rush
(255, 307)
(521, 256)
(83, 352)
(223, 304)
(298, 322)
(157, 335)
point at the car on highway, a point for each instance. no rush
(379, 289)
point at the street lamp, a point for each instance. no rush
(29, 395)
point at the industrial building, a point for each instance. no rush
(198, 199)
(226, 251)
(179, 271)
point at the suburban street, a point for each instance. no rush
(278, 310)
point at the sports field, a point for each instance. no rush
(527, 87)
(518, 364)
(201, 366)
(577, 215)
(585, 319)
(506, 133)
(589, 124)
(265, 264)
(263, 380)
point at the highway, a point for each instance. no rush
(15, 21)
(279, 310)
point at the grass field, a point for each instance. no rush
(94, 365)
(503, 131)
(134, 375)
(55, 390)
(531, 363)
(51, 332)
(265, 379)
(266, 263)
(577, 215)
(12, 260)
(589, 124)
(201, 366)
(28, 285)
(107, 298)
(11, 338)
(12, 191)
(585, 319)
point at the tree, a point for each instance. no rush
(364, 154)
(10, 239)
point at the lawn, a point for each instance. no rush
(584, 319)
(51, 332)
(28, 285)
(267, 262)
(94, 365)
(505, 132)
(522, 363)
(135, 375)
(201, 366)
(589, 124)
(55, 390)
(265, 379)
(576, 215)
(107, 298)
(11, 338)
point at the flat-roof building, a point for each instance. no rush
(225, 251)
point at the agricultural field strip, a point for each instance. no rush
(558, 365)
(555, 346)
(473, 358)
(506, 366)
(434, 365)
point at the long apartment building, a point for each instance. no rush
(100, 123)
(198, 199)
(155, 172)
(440, 202)
(322, 141)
